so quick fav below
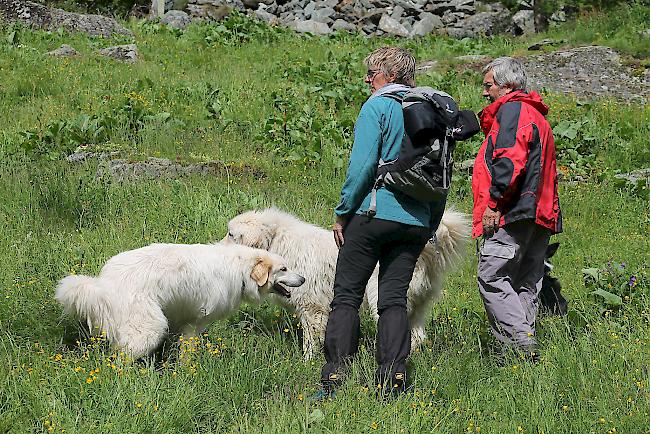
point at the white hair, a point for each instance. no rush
(507, 72)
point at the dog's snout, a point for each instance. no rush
(293, 280)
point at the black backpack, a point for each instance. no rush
(432, 124)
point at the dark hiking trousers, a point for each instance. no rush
(396, 246)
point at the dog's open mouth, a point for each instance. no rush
(278, 288)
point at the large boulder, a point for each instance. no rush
(323, 15)
(427, 24)
(392, 26)
(176, 19)
(38, 16)
(310, 26)
(587, 72)
(64, 50)
(124, 53)
(344, 26)
(523, 22)
(483, 23)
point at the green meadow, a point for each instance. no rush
(276, 111)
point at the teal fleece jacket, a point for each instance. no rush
(378, 133)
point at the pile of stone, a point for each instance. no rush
(405, 18)
(39, 16)
(588, 72)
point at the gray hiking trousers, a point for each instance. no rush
(510, 273)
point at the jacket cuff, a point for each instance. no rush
(492, 203)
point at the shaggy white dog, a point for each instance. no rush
(141, 295)
(311, 251)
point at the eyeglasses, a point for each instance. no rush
(487, 85)
(371, 73)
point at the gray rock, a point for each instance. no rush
(523, 22)
(425, 67)
(397, 13)
(588, 73)
(452, 17)
(251, 4)
(544, 42)
(327, 3)
(176, 19)
(210, 12)
(635, 176)
(64, 50)
(265, 16)
(368, 28)
(323, 15)
(309, 9)
(440, 8)
(311, 26)
(427, 24)
(80, 157)
(392, 27)
(483, 23)
(557, 17)
(410, 8)
(124, 53)
(344, 26)
(38, 16)
(271, 8)
(473, 58)
(155, 168)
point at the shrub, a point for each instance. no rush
(615, 285)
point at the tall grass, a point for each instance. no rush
(247, 375)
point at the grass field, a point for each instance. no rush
(277, 110)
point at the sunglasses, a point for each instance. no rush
(488, 86)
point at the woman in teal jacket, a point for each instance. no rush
(394, 237)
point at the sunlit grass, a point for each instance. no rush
(246, 373)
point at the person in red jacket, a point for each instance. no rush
(516, 204)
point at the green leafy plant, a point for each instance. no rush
(614, 284)
(575, 147)
(302, 133)
(335, 83)
(238, 29)
(155, 27)
(61, 137)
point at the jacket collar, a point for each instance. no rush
(489, 113)
(391, 88)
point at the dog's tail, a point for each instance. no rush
(452, 239)
(83, 298)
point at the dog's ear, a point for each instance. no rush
(551, 249)
(261, 270)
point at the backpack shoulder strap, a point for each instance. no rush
(394, 96)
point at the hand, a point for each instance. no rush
(491, 219)
(337, 228)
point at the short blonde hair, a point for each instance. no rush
(393, 61)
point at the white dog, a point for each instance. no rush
(141, 295)
(311, 251)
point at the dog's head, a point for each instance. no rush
(550, 251)
(271, 274)
(250, 229)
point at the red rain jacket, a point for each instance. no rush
(515, 169)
